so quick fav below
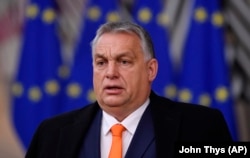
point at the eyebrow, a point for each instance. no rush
(96, 55)
(123, 54)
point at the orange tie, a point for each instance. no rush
(116, 147)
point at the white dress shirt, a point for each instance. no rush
(130, 123)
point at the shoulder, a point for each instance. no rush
(72, 117)
(174, 106)
(187, 111)
(195, 122)
(69, 126)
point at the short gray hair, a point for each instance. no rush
(128, 27)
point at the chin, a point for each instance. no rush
(112, 102)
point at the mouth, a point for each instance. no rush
(113, 90)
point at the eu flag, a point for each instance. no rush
(79, 90)
(204, 77)
(149, 14)
(37, 85)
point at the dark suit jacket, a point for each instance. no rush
(62, 136)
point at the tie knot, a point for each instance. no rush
(117, 130)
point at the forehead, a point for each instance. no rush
(118, 44)
(115, 39)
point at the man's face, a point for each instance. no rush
(122, 76)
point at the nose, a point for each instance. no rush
(112, 71)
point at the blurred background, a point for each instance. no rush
(45, 59)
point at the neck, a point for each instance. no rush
(120, 113)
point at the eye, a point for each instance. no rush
(100, 62)
(124, 62)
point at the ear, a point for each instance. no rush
(152, 69)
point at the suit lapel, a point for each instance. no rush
(143, 138)
(91, 144)
(71, 135)
(167, 121)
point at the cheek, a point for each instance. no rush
(97, 74)
(97, 80)
(135, 78)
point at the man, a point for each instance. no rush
(124, 67)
